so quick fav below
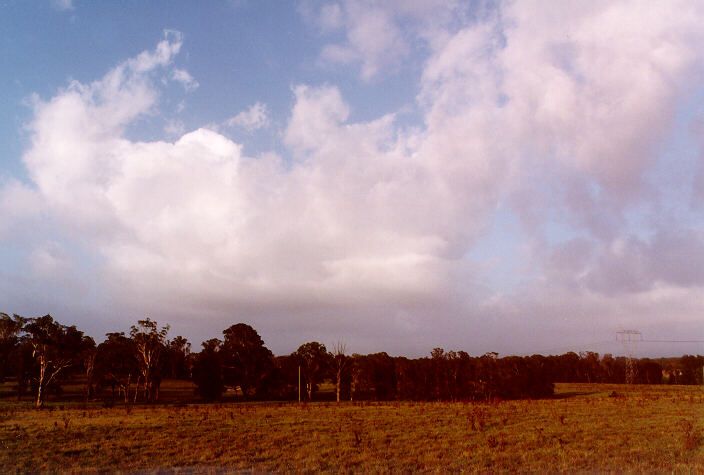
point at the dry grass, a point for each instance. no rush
(643, 428)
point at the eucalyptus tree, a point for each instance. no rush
(315, 364)
(149, 344)
(10, 331)
(116, 364)
(208, 371)
(340, 364)
(55, 347)
(247, 363)
(178, 357)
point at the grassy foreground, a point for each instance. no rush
(586, 427)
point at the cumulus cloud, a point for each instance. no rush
(77, 135)
(557, 114)
(195, 217)
(612, 71)
(254, 118)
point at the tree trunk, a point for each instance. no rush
(40, 383)
(339, 383)
(136, 390)
(90, 367)
(127, 388)
(39, 396)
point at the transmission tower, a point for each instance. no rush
(630, 340)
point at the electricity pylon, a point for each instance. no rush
(630, 340)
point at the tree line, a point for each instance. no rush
(40, 354)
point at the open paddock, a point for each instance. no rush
(585, 427)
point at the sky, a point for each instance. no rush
(519, 177)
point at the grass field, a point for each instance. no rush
(585, 427)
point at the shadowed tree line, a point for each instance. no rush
(41, 354)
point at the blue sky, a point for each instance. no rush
(486, 176)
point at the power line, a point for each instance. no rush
(573, 347)
(673, 341)
(629, 337)
(630, 340)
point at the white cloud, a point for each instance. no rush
(555, 112)
(317, 114)
(350, 221)
(612, 71)
(379, 35)
(195, 214)
(77, 135)
(184, 77)
(581, 99)
(254, 118)
(19, 205)
(161, 56)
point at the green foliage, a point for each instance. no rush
(55, 347)
(39, 352)
(247, 363)
(149, 343)
(315, 363)
(116, 365)
(10, 331)
(178, 358)
(208, 371)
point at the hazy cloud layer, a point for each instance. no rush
(557, 116)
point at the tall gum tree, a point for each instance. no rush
(55, 348)
(149, 344)
(340, 363)
(315, 362)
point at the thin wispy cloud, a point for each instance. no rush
(254, 118)
(182, 76)
(62, 5)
